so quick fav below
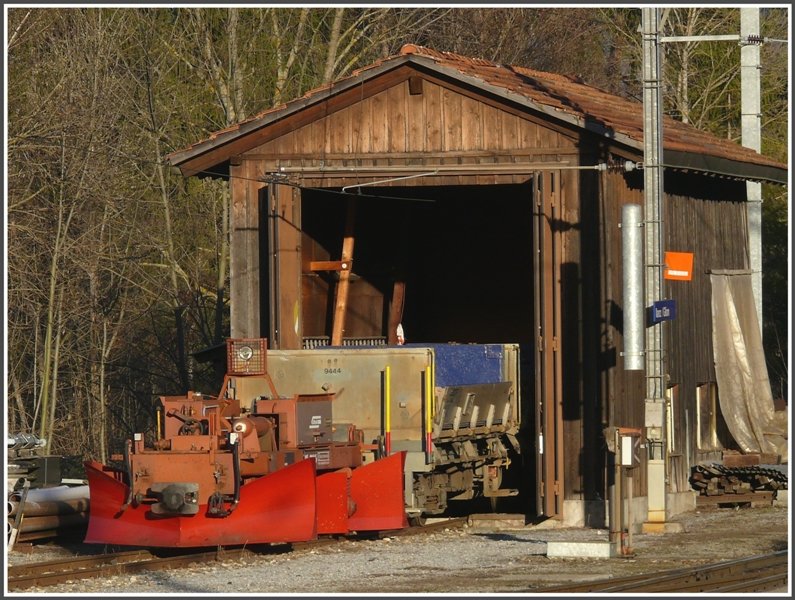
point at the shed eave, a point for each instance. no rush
(715, 165)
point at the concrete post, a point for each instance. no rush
(653, 222)
(752, 138)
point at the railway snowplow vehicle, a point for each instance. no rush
(301, 443)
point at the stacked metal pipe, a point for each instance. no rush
(48, 512)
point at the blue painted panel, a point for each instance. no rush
(467, 364)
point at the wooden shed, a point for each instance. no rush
(476, 202)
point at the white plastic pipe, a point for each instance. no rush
(53, 494)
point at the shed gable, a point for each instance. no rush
(416, 116)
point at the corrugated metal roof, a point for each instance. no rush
(557, 96)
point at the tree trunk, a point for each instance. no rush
(220, 288)
(55, 367)
(48, 362)
(333, 44)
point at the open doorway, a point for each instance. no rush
(457, 259)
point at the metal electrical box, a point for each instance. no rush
(313, 419)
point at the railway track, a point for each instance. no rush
(756, 574)
(54, 572)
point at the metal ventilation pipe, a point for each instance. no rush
(632, 269)
(24, 441)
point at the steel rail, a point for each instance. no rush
(78, 562)
(757, 573)
(71, 569)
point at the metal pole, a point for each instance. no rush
(752, 138)
(429, 398)
(617, 504)
(388, 410)
(628, 549)
(653, 224)
(632, 271)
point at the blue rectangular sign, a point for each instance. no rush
(662, 310)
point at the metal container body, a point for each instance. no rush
(356, 377)
(471, 364)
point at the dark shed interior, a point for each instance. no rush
(464, 254)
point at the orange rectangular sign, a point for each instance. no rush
(678, 265)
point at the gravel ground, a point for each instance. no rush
(460, 561)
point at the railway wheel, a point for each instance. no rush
(417, 521)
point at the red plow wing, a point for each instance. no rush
(276, 508)
(334, 503)
(377, 490)
(369, 498)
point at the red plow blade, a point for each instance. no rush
(369, 498)
(377, 490)
(276, 508)
(334, 503)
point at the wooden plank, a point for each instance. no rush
(415, 85)
(314, 305)
(509, 128)
(747, 460)
(396, 110)
(365, 314)
(415, 118)
(558, 246)
(754, 498)
(317, 137)
(329, 265)
(471, 124)
(451, 110)
(244, 267)
(379, 138)
(492, 128)
(434, 123)
(341, 294)
(361, 131)
(340, 131)
(272, 152)
(528, 134)
(548, 355)
(396, 310)
(547, 137)
(492, 138)
(287, 223)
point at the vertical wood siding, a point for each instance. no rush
(440, 123)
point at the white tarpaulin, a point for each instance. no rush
(746, 401)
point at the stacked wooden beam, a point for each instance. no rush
(716, 479)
